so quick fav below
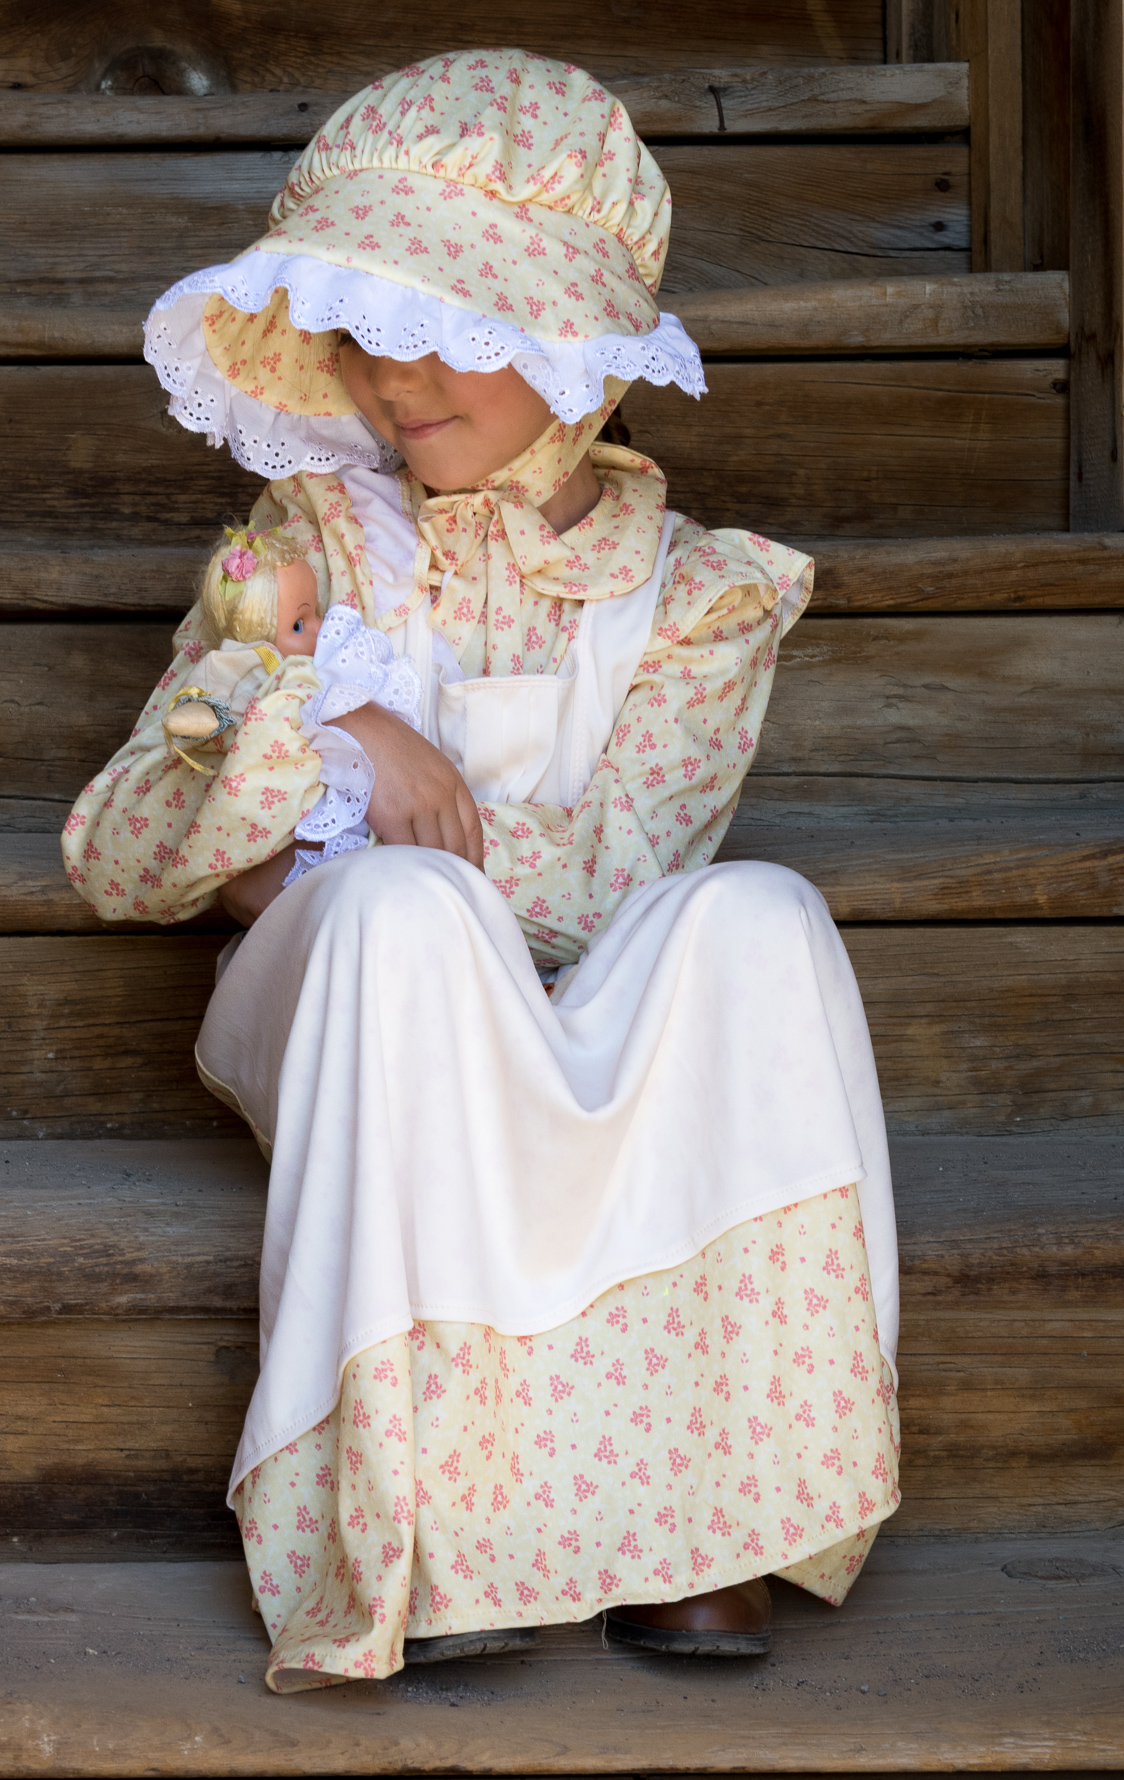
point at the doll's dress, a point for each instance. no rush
(355, 666)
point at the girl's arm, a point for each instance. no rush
(151, 839)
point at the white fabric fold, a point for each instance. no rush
(449, 1142)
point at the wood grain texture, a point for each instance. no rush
(1097, 262)
(1034, 697)
(966, 1666)
(774, 213)
(978, 312)
(86, 228)
(1046, 142)
(926, 448)
(99, 1033)
(133, 1229)
(1037, 697)
(878, 849)
(121, 46)
(1012, 1421)
(865, 449)
(761, 101)
(1029, 571)
(915, 850)
(976, 1029)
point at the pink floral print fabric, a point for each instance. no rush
(725, 1419)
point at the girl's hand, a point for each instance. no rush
(251, 892)
(419, 799)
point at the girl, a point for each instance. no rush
(571, 1303)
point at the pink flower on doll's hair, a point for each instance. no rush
(240, 564)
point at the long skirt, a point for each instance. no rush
(565, 1302)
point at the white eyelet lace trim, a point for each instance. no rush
(392, 321)
(355, 667)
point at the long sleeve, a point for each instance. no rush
(151, 839)
(664, 792)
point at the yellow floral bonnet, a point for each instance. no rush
(492, 206)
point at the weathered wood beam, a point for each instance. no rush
(976, 1026)
(990, 312)
(1097, 262)
(716, 101)
(1034, 571)
(993, 312)
(988, 33)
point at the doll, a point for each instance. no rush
(261, 601)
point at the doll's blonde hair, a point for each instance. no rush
(240, 605)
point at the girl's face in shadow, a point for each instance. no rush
(452, 427)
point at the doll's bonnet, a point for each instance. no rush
(492, 206)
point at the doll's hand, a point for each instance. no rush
(420, 799)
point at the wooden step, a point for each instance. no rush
(975, 312)
(802, 448)
(1045, 571)
(697, 102)
(976, 1027)
(959, 1655)
(116, 228)
(980, 699)
(120, 46)
(878, 850)
(128, 1276)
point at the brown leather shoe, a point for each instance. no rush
(727, 1622)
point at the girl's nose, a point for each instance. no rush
(394, 380)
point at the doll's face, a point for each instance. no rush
(297, 624)
(452, 427)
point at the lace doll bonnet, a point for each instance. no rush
(493, 207)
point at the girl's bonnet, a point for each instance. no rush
(492, 207)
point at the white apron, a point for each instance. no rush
(447, 1142)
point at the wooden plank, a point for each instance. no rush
(98, 1037)
(922, 697)
(992, 312)
(1023, 1402)
(943, 698)
(85, 227)
(1097, 260)
(996, 87)
(759, 101)
(848, 449)
(976, 1029)
(979, 1029)
(774, 213)
(878, 849)
(865, 449)
(1046, 145)
(173, 1229)
(975, 312)
(898, 849)
(970, 1655)
(1031, 572)
(105, 576)
(1042, 571)
(122, 47)
(102, 461)
(981, 697)
(166, 1229)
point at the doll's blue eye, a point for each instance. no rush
(299, 626)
